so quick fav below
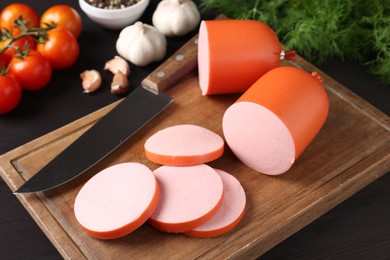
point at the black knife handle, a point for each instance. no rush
(175, 68)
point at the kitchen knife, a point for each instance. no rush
(138, 108)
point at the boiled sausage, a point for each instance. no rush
(233, 54)
(230, 212)
(117, 200)
(271, 124)
(184, 145)
(190, 196)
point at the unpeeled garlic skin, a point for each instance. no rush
(141, 44)
(91, 80)
(120, 84)
(117, 64)
(176, 17)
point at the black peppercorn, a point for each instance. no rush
(112, 4)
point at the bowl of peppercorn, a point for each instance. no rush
(114, 14)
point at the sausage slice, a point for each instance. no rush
(230, 212)
(184, 145)
(190, 196)
(117, 200)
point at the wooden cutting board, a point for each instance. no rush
(351, 151)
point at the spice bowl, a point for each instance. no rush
(114, 18)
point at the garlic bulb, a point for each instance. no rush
(141, 44)
(176, 17)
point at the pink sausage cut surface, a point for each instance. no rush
(190, 196)
(260, 139)
(273, 122)
(184, 145)
(117, 200)
(230, 212)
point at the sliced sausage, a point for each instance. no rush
(230, 212)
(117, 200)
(190, 196)
(233, 54)
(184, 145)
(271, 124)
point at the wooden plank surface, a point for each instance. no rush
(351, 151)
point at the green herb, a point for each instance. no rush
(318, 30)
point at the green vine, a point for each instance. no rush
(39, 35)
(318, 30)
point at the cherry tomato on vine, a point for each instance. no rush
(64, 17)
(61, 48)
(33, 71)
(3, 61)
(12, 12)
(7, 55)
(10, 93)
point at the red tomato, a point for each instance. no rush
(10, 93)
(64, 17)
(7, 55)
(3, 62)
(12, 12)
(33, 71)
(61, 48)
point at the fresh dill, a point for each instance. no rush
(358, 30)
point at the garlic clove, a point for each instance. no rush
(91, 80)
(120, 84)
(117, 64)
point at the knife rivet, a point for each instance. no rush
(179, 57)
(196, 41)
(160, 74)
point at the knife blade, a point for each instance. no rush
(130, 115)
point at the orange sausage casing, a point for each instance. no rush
(272, 123)
(233, 54)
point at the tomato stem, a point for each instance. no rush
(22, 53)
(39, 33)
(3, 69)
